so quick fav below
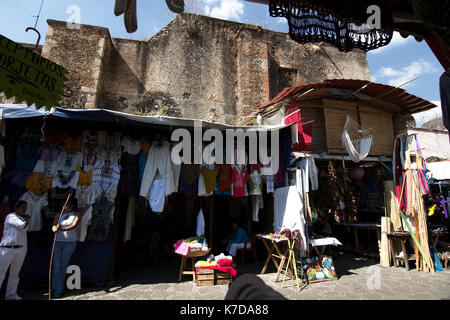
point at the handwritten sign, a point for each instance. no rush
(28, 76)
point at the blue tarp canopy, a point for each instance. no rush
(16, 111)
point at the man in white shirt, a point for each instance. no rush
(13, 248)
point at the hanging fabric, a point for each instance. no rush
(200, 224)
(356, 142)
(340, 23)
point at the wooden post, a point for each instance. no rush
(385, 246)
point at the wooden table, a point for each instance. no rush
(193, 255)
(280, 253)
(402, 237)
(324, 243)
(367, 226)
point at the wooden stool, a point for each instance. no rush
(402, 237)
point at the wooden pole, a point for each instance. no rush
(53, 251)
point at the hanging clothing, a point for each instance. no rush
(72, 145)
(101, 220)
(190, 173)
(158, 160)
(239, 177)
(218, 192)
(130, 220)
(224, 178)
(50, 153)
(109, 146)
(65, 179)
(255, 183)
(69, 161)
(39, 183)
(83, 225)
(145, 144)
(56, 198)
(207, 180)
(200, 229)
(87, 195)
(142, 163)
(288, 213)
(35, 204)
(129, 175)
(107, 176)
(85, 178)
(257, 204)
(157, 195)
(182, 187)
(89, 150)
(52, 135)
(130, 145)
(47, 168)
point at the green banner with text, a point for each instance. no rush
(28, 76)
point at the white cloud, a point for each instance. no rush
(395, 77)
(397, 41)
(224, 9)
(428, 115)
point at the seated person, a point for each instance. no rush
(237, 240)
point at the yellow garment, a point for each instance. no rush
(431, 210)
(209, 177)
(39, 183)
(145, 145)
(72, 145)
(85, 178)
(207, 263)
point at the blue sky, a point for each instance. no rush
(401, 60)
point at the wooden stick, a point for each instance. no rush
(53, 251)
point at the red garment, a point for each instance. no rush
(225, 262)
(229, 270)
(224, 177)
(304, 131)
(239, 180)
(255, 167)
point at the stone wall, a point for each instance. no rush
(195, 67)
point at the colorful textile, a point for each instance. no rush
(239, 177)
(35, 204)
(209, 178)
(107, 177)
(85, 178)
(224, 178)
(72, 145)
(39, 183)
(229, 270)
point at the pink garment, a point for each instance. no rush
(50, 154)
(182, 248)
(239, 180)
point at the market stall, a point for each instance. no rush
(107, 161)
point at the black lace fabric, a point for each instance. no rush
(340, 23)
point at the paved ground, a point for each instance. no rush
(358, 280)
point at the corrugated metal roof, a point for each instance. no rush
(397, 96)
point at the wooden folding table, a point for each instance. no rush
(281, 253)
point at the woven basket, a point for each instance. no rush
(197, 252)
